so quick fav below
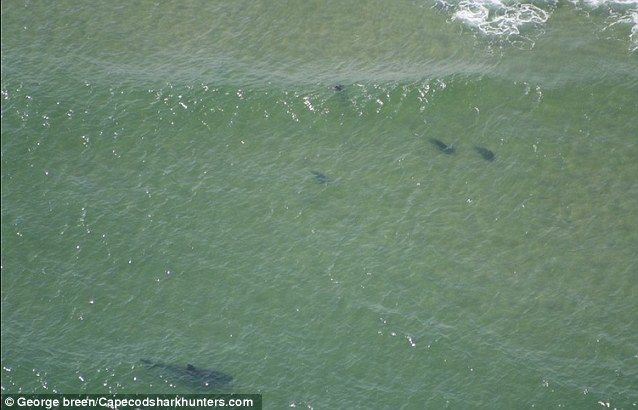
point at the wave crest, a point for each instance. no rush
(521, 23)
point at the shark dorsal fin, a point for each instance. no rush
(190, 367)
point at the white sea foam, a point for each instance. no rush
(522, 22)
(631, 18)
(518, 23)
(598, 3)
(620, 13)
(496, 18)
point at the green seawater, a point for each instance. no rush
(160, 200)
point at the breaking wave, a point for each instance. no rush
(522, 23)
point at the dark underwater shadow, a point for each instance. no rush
(195, 379)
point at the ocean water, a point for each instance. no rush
(182, 182)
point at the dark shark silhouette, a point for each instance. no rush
(340, 92)
(320, 177)
(443, 147)
(485, 153)
(191, 375)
